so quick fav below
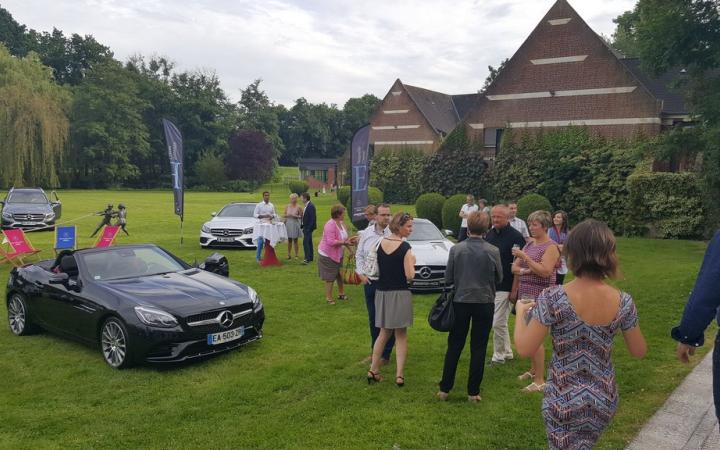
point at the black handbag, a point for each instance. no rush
(442, 314)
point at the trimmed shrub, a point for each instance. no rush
(298, 186)
(375, 195)
(666, 205)
(450, 210)
(430, 207)
(530, 203)
(210, 170)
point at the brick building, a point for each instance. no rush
(563, 75)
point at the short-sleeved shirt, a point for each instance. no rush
(467, 209)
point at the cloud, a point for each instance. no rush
(323, 50)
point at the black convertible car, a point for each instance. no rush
(138, 302)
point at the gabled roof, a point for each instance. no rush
(464, 103)
(661, 87)
(438, 108)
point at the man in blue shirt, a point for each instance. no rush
(701, 308)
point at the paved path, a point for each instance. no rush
(687, 419)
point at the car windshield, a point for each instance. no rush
(237, 211)
(425, 231)
(117, 263)
(27, 197)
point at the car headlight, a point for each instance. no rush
(49, 216)
(7, 215)
(155, 317)
(205, 229)
(253, 296)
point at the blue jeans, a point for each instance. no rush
(375, 331)
(308, 245)
(716, 375)
(260, 243)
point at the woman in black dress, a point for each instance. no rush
(393, 301)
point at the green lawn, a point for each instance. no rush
(303, 386)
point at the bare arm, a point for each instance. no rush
(635, 342)
(545, 267)
(409, 263)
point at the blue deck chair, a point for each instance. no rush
(65, 238)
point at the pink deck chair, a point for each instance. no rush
(106, 239)
(20, 246)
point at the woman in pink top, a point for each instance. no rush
(334, 239)
(536, 265)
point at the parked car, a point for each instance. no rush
(431, 248)
(30, 208)
(231, 227)
(137, 303)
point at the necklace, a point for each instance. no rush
(392, 239)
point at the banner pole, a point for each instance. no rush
(181, 231)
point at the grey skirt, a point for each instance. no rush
(329, 269)
(292, 226)
(393, 309)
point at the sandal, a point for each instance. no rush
(400, 383)
(342, 297)
(330, 301)
(526, 376)
(373, 377)
(442, 395)
(474, 398)
(533, 387)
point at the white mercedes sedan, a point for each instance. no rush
(431, 249)
(231, 227)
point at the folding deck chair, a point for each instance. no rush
(65, 238)
(20, 246)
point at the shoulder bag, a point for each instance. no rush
(442, 314)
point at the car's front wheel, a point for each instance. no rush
(114, 344)
(18, 316)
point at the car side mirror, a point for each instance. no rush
(59, 278)
(213, 214)
(447, 233)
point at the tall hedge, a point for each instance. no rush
(450, 212)
(458, 166)
(398, 173)
(666, 205)
(430, 207)
(530, 203)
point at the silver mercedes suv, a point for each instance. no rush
(30, 208)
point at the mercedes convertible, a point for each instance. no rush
(136, 303)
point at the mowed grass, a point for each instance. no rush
(303, 385)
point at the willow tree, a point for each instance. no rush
(34, 125)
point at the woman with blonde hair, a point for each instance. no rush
(583, 318)
(393, 300)
(535, 265)
(293, 216)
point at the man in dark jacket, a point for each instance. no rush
(702, 307)
(308, 224)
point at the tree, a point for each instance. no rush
(13, 35)
(257, 112)
(210, 171)
(312, 130)
(494, 73)
(356, 113)
(624, 39)
(108, 132)
(250, 157)
(33, 121)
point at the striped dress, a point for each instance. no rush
(581, 394)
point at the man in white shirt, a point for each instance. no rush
(465, 211)
(265, 212)
(517, 222)
(369, 239)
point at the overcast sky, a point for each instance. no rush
(323, 50)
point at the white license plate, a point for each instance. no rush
(27, 223)
(226, 239)
(225, 336)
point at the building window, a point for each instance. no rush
(493, 137)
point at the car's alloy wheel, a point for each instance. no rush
(17, 315)
(114, 344)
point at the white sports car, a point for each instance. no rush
(431, 249)
(231, 227)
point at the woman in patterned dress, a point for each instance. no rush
(535, 266)
(583, 317)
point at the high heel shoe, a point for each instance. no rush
(400, 383)
(373, 377)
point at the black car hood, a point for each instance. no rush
(181, 293)
(17, 208)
